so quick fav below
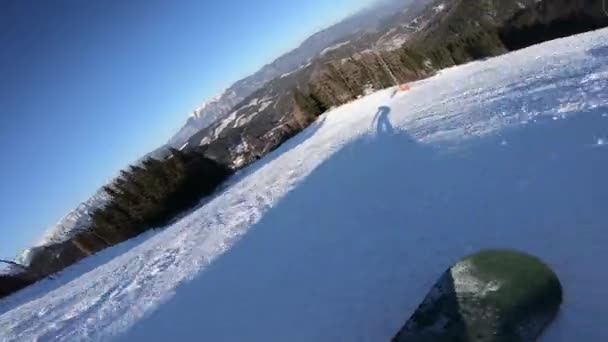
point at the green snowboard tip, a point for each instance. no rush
(490, 296)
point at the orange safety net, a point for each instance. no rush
(404, 87)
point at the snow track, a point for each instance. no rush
(339, 234)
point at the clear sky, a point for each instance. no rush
(86, 87)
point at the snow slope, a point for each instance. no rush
(339, 234)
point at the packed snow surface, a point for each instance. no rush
(340, 234)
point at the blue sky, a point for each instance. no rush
(86, 87)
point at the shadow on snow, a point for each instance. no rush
(352, 251)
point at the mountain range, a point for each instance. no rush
(367, 20)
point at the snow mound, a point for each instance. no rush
(339, 233)
(7, 269)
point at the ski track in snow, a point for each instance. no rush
(340, 233)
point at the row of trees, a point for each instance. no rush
(342, 81)
(551, 20)
(307, 108)
(153, 193)
(469, 33)
(145, 196)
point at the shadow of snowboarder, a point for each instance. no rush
(383, 125)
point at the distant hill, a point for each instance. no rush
(368, 20)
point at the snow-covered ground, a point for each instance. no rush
(339, 234)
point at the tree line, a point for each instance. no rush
(151, 195)
(143, 197)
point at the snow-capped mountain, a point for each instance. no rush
(77, 220)
(209, 112)
(366, 20)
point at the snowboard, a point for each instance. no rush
(491, 296)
